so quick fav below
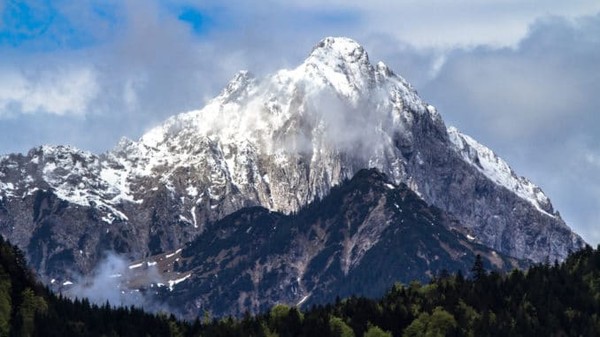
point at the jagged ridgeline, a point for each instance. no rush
(279, 142)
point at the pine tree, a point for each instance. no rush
(478, 271)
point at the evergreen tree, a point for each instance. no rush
(438, 324)
(5, 303)
(339, 328)
(478, 271)
(375, 331)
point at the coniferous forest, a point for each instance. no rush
(560, 299)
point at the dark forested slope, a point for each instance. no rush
(546, 300)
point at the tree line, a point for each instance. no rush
(559, 299)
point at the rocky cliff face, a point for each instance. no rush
(278, 142)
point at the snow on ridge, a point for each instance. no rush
(497, 170)
(137, 265)
(342, 63)
(338, 46)
(77, 176)
(6, 189)
(173, 283)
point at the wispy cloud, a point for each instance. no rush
(64, 90)
(113, 281)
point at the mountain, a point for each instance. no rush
(278, 142)
(360, 239)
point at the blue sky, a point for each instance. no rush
(519, 76)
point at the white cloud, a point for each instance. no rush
(153, 68)
(63, 91)
(447, 24)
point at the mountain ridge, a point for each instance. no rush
(279, 142)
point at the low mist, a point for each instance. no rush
(113, 281)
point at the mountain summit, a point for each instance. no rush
(278, 142)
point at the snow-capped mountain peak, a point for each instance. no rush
(342, 64)
(346, 49)
(285, 140)
(291, 136)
